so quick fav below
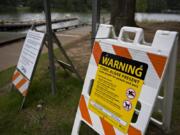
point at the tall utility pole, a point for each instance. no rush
(96, 8)
(49, 37)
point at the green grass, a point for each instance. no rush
(57, 114)
(5, 76)
(58, 111)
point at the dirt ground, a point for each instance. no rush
(80, 53)
(150, 29)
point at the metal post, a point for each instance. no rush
(22, 103)
(50, 44)
(95, 18)
(98, 11)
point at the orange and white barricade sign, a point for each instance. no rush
(123, 72)
(27, 61)
(20, 82)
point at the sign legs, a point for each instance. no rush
(22, 103)
(169, 89)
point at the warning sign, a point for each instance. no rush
(116, 89)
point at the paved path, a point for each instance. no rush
(9, 53)
(8, 37)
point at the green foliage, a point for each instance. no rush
(8, 5)
(61, 5)
(156, 5)
(141, 5)
(86, 5)
(36, 5)
(173, 4)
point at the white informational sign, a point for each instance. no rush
(29, 53)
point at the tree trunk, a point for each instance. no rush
(122, 13)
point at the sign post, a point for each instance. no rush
(49, 37)
(96, 14)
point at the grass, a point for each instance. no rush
(57, 113)
(5, 76)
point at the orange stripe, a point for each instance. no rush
(108, 129)
(133, 131)
(122, 51)
(158, 62)
(15, 76)
(97, 52)
(84, 110)
(21, 83)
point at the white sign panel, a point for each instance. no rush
(29, 53)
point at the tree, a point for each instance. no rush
(122, 13)
(36, 5)
(141, 5)
(8, 5)
(156, 5)
(173, 4)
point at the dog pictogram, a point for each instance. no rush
(127, 105)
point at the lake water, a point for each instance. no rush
(87, 17)
(160, 17)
